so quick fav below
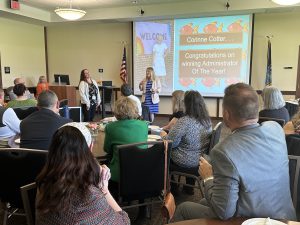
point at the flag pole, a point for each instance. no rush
(268, 80)
(123, 70)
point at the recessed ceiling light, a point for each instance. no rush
(286, 2)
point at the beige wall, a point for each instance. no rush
(22, 49)
(94, 46)
(285, 46)
(72, 48)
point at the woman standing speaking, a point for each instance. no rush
(89, 95)
(150, 86)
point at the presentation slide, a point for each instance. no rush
(204, 54)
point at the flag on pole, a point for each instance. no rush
(123, 71)
(268, 80)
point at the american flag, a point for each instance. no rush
(123, 71)
(268, 80)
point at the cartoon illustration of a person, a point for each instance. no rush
(159, 53)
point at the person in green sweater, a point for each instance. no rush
(126, 130)
(22, 100)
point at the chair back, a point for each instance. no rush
(65, 112)
(7, 92)
(293, 144)
(18, 167)
(215, 136)
(146, 113)
(292, 107)
(28, 193)
(294, 171)
(63, 103)
(22, 113)
(264, 119)
(142, 169)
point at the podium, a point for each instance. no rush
(65, 92)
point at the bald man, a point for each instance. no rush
(12, 95)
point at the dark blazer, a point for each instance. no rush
(38, 128)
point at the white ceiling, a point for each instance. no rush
(94, 4)
(42, 11)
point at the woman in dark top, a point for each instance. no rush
(274, 104)
(178, 108)
(89, 95)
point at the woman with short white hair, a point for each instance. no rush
(274, 104)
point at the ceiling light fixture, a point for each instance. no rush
(70, 13)
(286, 2)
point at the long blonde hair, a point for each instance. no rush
(178, 101)
(153, 77)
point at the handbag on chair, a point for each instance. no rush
(169, 206)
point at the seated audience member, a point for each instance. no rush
(9, 122)
(293, 126)
(274, 104)
(178, 108)
(127, 92)
(249, 171)
(42, 85)
(73, 187)
(11, 93)
(190, 136)
(124, 131)
(21, 101)
(38, 128)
